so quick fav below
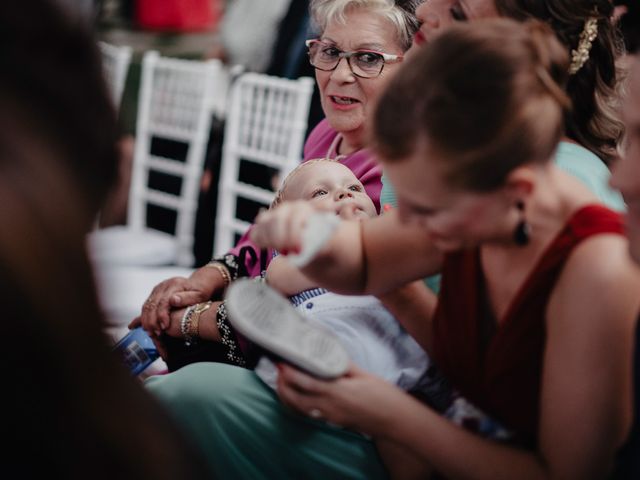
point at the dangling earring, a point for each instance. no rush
(522, 233)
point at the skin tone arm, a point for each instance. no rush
(178, 293)
(287, 278)
(585, 395)
(413, 305)
(372, 256)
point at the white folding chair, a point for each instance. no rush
(177, 99)
(266, 124)
(115, 64)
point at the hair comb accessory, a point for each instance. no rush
(580, 55)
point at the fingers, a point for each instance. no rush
(298, 390)
(282, 227)
(135, 323)
(155, 311)
(175, 318)
(186, 298)
(148, 315)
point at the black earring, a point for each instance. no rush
(522, 233)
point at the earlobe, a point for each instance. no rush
(520, 183)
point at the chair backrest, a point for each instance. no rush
(115, 64)
(176, 102)
(264, 131)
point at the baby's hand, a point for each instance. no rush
(282, 227)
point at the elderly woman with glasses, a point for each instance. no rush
(359, 47)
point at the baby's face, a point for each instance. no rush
(331, 186)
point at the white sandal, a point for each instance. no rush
(270, 321)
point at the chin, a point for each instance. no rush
(344, 122)
(447, 245)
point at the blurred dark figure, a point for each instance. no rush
(71, 409)
(629, 22)
(290, 58)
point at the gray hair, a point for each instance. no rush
(401, 13)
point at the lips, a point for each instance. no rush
(340, 100)
(419, 38)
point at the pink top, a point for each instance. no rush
(322, 143)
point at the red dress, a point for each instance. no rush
(499, 367)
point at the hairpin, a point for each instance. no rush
(580, 55)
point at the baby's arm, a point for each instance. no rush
(286, 278)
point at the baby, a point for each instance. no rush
(374, 340)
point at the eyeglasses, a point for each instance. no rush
(365, 64)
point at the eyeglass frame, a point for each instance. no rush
(386, 57)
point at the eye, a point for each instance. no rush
(355, 187)
(457, 13)
(369, 58)
(318, 193)
(330, 52)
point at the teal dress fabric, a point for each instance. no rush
(573, 159)
(246, 433)
(590, 170)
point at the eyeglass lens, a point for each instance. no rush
(362, 63)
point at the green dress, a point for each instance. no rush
(245, 432)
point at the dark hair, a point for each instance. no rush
(71, 409)
(41, 68)
(593, 121)
(629, 24)
(487, 95)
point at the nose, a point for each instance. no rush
(432, 21)
(342, 73)
(427, 16)
(343, 194)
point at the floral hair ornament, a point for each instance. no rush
(580, 55)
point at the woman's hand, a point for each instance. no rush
(177, 293)
(357, 400)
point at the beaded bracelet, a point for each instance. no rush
(234, 353)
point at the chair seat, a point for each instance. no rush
(120, 245)
(123, 289)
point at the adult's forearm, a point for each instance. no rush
(413, 305)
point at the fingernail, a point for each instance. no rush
(387, 207)
(176, 298)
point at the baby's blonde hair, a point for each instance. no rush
(280, 197)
